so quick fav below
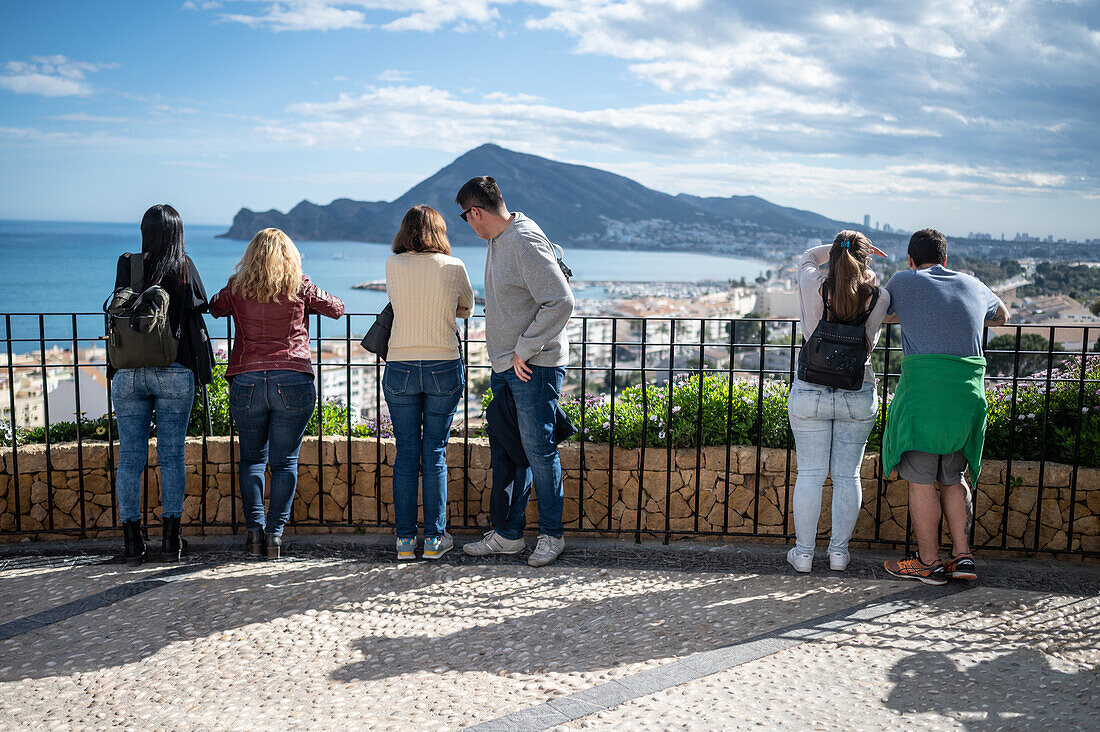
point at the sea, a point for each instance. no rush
(69, 267)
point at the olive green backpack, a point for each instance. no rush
(139, 332)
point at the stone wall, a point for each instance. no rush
(609, 500)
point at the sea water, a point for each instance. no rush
(69, 267)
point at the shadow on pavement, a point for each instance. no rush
(503, 618)
(1004, 692)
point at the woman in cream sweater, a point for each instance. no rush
(424, 374)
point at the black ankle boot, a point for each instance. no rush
(133, 543)
(255, 542)
(274, 547)
(170, 542)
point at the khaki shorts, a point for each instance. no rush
(926, 468)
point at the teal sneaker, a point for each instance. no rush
(406, 548)
(437, 546)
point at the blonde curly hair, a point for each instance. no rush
(270, 268)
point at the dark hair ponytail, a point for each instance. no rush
(162, 242)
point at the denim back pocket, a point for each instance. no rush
(297, 394)
(862, 404)
(240, 394)
(175, 381)
(804, 403)
(122, 384)
(448, 379)
(395, 379)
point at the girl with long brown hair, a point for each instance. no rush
(831, 424)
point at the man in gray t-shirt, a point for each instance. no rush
(941, 312)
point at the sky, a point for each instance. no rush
(957, 114)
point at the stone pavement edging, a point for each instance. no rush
(618, 691)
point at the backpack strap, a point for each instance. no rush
(859, 321)
(137, 271)
(874, 301)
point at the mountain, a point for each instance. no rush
(574, 204)
(764, 213)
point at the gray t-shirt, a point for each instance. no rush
(941, 311)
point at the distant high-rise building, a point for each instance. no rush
(866, 221)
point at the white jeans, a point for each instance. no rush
(830, 429)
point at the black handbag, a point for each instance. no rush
(835, 354)
(377, 339)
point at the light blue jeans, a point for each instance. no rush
(135, 394)
(830, 429)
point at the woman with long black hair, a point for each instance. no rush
(169, 391)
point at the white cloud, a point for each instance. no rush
(411, 15)
(164, 109)
(85, 117)
(394, 76)
(301, 15)
(50, 76)
(506, 97)
(201, 5)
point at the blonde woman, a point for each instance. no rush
(272, 392)
(424, 374)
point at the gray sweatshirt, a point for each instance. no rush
(527, 300)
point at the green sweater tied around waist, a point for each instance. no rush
(939, 407)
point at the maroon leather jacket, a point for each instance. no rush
(273, 335)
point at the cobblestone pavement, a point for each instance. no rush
(333, 638)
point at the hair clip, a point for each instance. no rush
(845, 244)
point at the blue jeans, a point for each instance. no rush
(271, 409)
(830, 429)
(135, 394)
(422, 397)
(536, 404)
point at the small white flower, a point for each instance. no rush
(662, 435)
(675, 409)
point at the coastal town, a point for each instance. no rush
(686, 323)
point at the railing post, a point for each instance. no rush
(645, 438)
(79, 428)
(14, 430)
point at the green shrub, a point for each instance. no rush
(729, 414)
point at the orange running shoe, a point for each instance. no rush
(913, 568)
(960, 567)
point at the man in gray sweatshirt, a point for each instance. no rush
(527, 306)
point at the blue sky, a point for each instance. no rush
(964, 115)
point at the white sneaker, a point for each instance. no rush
(546, 551)
(801, 562)
(838, 560)
(494, 543)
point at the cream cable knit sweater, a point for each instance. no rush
(426, 290)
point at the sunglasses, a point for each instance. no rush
(466, 213)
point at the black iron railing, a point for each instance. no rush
(747, 360)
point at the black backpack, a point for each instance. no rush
(835, 354)
(139, 331)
